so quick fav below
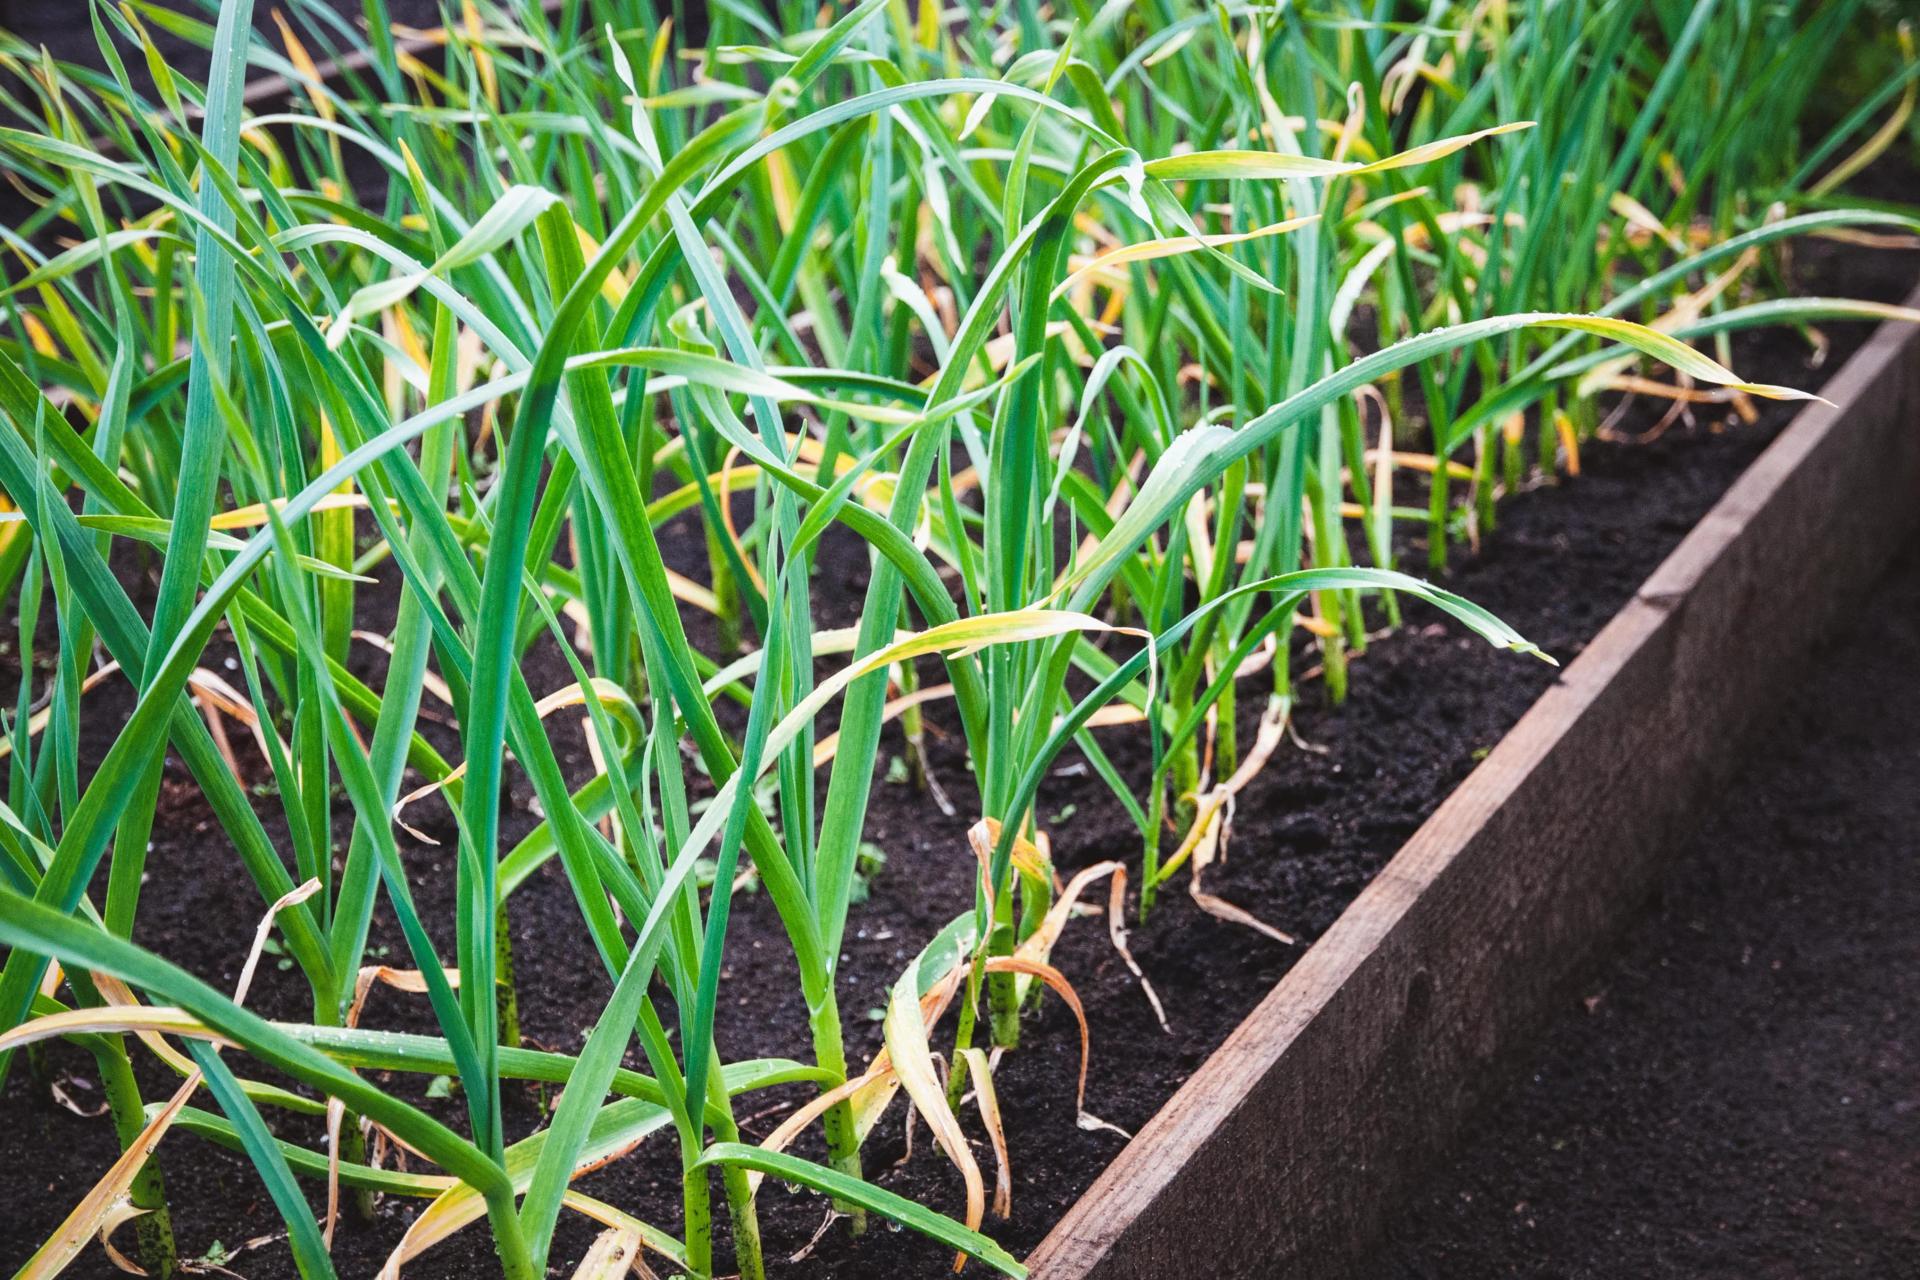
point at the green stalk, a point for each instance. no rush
(506, 995)
(843, 1137)
(1226, 741)
(1003, 999)
(1439, 510)
(147, 1191)
(696, 1207)
(1483, 481)
(913, 728)
(1156, 822)
(963, 1034)
(748, 1256)
(726, 592)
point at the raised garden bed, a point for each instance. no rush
(1389, 1022)
(1287, 1136)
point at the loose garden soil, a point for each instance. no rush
(66, 32)
(1735, 1090)
(1426, 703)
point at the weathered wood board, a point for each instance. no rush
(1282, 1156)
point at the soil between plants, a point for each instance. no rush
(1426, 703)
(66, 31)
(1735, 1091)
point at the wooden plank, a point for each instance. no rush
(1283, 1154)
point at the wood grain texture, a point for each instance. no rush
(1283, 1154)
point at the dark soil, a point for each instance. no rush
(1736, 1091)
(66, 31)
